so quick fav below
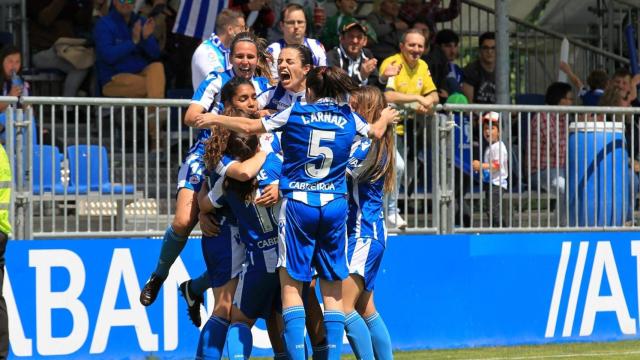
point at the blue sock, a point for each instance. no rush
(280, 356)
(380, 338)
(358, 335)
(239, 341)
(320, 351)
(294, 331)
(172, 245)
(201, 284)
(334, 327)
(212, 338)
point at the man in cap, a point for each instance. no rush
(351, 56)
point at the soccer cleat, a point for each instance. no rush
(150, 290)
(396, 221)
(193, 303)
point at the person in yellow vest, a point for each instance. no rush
(5, 232)
(408, 83)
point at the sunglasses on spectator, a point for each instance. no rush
(130, 2)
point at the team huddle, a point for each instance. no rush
(270, 178)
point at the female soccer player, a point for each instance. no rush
(224, 254)
(316, 140)
(294, 63)
(244, 58)
(258, 290)
(371, 174)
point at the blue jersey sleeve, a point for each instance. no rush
(277, 121)
(271, 170)
(359, 152)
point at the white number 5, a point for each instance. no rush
(316, 150)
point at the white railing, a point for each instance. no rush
(89, 167)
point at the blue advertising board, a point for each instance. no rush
(76, 298)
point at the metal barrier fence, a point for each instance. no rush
(89, 167)
(568, 168)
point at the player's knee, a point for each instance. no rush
(183, 223)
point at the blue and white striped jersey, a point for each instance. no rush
(316, 143)
(197, 18)
(278, 98)
(208, 96)
(366, 216)
(211, 55)
(318, 54)
(258, 225)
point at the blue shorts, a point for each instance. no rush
(224, 255)
(258, 291)
(192, 172)
(313, 236)
(365, 257)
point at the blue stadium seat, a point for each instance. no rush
(50, 180)
(89, 165)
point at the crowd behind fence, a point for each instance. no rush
(88, 167)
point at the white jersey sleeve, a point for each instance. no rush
(208, 91)
(277, 121)
(264, 97)
(362, 127)
(216, 194)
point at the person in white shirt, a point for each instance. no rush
(213, 53)
(294, 28)
(494, 167)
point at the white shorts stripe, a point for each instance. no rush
(282, 247)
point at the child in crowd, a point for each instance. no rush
(597, 82)
(494, 167)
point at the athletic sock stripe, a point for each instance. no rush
(370, 318)
(219, 320)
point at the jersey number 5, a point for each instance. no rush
(316, 150)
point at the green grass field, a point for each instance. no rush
(609, 350)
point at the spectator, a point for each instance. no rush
(387, 26)
(429, 12)
(494, 167)
(213, 53)
(195, 21)
(627, 84)
(126, 50)
(50, 20)
(294, 28)
(435, 58)
(597, 81)
(411, 84)
(258, 13)
(352, 57)
(12, 82)
(313, 11)
(548, 146)
(447, 40)
(333, 27)
(479, 84)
